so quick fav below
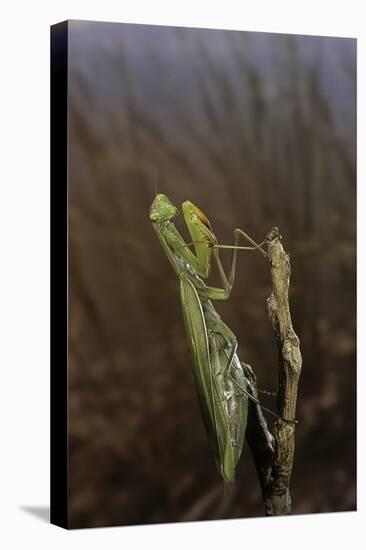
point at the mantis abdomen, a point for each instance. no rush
(223, 407)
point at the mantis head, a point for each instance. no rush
(162, 209)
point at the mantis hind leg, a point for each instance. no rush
(216, 326)
(250, 396)
(227, 371)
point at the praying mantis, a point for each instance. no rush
(222, 387)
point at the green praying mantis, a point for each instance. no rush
(222, 387)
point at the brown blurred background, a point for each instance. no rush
(257, 130)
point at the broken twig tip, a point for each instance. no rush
(273, 234)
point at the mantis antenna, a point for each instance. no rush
(156, 180)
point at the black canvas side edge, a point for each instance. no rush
(356, 277)
(59, 276)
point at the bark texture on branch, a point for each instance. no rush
(274, 455)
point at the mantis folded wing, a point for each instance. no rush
(220, 381)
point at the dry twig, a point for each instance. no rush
(274, 455)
